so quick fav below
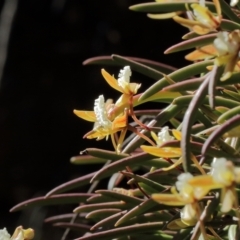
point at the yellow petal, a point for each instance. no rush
(218, 8)
(177, 163)
(205, 180)
(228, 199)
(133, 88)
(162, 152)
(119, 122)
(111, 80)
(86, 115)
(202, 53)
(200, 30)
(167, 199)
(154, 136)
(28, 234)
(164, 15)
(177, 224)
(195, 161)
(177, 134)
(185, 22)
(23, 234)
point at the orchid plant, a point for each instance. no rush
(181, 161)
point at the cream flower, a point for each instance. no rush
(204, 20)
(124, 77)
(4, 235)
(19, 234)
(227, 46)
(163, 136)
(227, 175)
(101, 113)
(122, 84)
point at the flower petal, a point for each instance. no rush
(177, 134)
(86, 115)
(167, 199)
(162, 152)
(202, 53)
(111, 80)
(177, 163)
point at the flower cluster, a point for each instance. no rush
(110, 118)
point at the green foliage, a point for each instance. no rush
(203, 115)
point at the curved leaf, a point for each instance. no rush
(144, 207)
(105, 154)
(138, 67)
(229, 114)
(228, 25)
(109, 221)
(121, 164)
(192, 43)
(124, 231)
(79, 160)
(97, 206)
(219, 101)
(152, 7)
(225, 127)
(158, 187)
(73, 226)
(58, 218)
(120, 197)
(228, 11)
(177, 76)
(107, 60)
(69, 198)
(75, 183)
(102, 213)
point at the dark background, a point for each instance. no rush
(44, 80)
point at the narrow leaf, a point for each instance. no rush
(60, 218)
(69, 198)
(107, 60)
(120, 197)
(229, 114)
(229, 12)
(176, 76)
(83, 228)
(97, 206)
(102, 213)
(109, 221)
(121, 164)
(105, 154)
(158, 187)
(75, 183)
(79, 160)
(225, 127)
(192, 43)
(138, 67)
(152, 7)
(139, 210)
(124, 231)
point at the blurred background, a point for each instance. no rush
(42, 80)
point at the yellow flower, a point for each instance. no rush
(122, 84)
(227, 46)
(187, 196)
(225, 176)
(168, 152)
(19, 234)
(103, 124)
(165, 152)
(225, 49)
(204, 20)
